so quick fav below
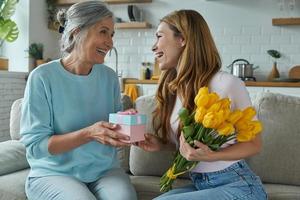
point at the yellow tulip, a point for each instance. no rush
(244, 136)
(235, 116)
(210, 120)
(202, 101)
(225, 103)
(220, 116)
(213, 98)
(225, 129)
(248, 113)
(202, 91)
(226, 113)
(243, 125)
(215, 107)
(199, 115)
(256, 127)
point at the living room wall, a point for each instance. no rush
(242, 29)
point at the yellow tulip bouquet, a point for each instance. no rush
(212, 123)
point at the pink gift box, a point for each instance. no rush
(135, 132)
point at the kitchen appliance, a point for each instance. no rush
(242, 70)
(134, 13)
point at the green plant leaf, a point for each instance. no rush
(9, 30)
(274, 53)
(36, 50)
(9, 8)
(1, 2)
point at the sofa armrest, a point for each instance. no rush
(12, 157)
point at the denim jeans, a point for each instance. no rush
(115, 184)
(235, 182)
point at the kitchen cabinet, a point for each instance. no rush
(148, 87)
(291, 91)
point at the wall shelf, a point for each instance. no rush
(285, 21)
(69, 2)
(124, 25)
(133, 25)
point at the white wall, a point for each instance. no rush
(31, 18)
(15, 51)
(242, 29)
(38, 29)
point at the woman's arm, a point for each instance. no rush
(101, 131)
(234, 152)
(154, 143)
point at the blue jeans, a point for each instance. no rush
(235, 182)
(115, 184)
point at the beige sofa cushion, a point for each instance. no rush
(12, 157)
(14, 123)
(144, 163)
(279, 160)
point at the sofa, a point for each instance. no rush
(278, 164)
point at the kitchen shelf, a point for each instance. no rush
(69, 2)
(133, 25)
(124, 25)
(285, 21)
(247, 83)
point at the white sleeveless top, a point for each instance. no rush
(225, 85)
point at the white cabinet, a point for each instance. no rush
(284, 90)
(253, 91)
(147, 89)
(292, 91)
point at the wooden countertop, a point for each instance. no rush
(248, 83)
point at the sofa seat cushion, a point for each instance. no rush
(278, 162)
(147, 187)
(13, 185)
(282, 192)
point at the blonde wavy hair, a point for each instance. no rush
(197, 64)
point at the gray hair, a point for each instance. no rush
(80, 16)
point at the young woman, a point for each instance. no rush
(70, 146)
(187, 54)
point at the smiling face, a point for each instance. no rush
(168, 47)
(97, 42)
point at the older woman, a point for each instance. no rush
(70, 146)
(187, 54)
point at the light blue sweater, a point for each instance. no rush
(57, 102)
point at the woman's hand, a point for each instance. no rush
(151, 143)
(200, 153)
(104, 132)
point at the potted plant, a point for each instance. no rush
(274, 72)
(8, 29)
(36, 51)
